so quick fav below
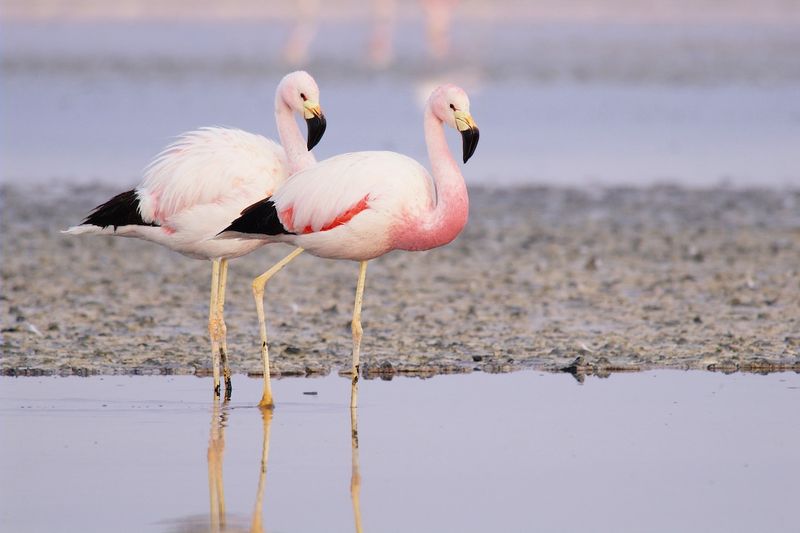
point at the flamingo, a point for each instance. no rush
(362, 205)
(197, 185)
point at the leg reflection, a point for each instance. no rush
(257, 525)
(216, 449)
(355, 478)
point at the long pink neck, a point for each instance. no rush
(292, 138)
(445, 220)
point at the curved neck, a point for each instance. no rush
(448, 215)
(292, 138)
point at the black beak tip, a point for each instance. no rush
(470, 139)
(316, 129)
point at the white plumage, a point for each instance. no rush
(197, 185)
(382, 186)
(241, 164)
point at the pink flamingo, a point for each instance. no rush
(196, 186)
(361, 205)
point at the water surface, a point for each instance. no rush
(658, 451)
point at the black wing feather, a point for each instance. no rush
(121, 210)
(261, 218)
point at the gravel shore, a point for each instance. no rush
(559, 279)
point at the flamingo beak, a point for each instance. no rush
(469, 133)
(315, 121)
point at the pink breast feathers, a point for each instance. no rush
(287, 217)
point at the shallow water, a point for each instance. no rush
(656, 451)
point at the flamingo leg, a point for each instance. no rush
(258, 294)
(213, 330)
(357, 332)
(223, 329)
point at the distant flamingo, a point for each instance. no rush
(361, 205)
(197, 185)
(380, 42)
(438, 16)
(298, 43)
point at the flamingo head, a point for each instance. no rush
(299, 92)
(450, 104)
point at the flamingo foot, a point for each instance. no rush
(228, 388)
(226, 373)
(266, 403)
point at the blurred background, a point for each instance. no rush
(566, 92)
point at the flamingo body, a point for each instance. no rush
(360, 210)
(361, 205)
(196, 186)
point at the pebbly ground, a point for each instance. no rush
(587, 281)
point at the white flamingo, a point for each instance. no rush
(361, 205)
(196, 186)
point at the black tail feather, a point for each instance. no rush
(121, 210)
(261, 218)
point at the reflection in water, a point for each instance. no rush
(591, 454)
(218, 522)
(355, 477)
(257, 525)
(216, 449)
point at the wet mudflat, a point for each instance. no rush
(624, 278)
(654, 451)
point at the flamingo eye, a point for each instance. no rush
(452, 107)
(303, 96)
